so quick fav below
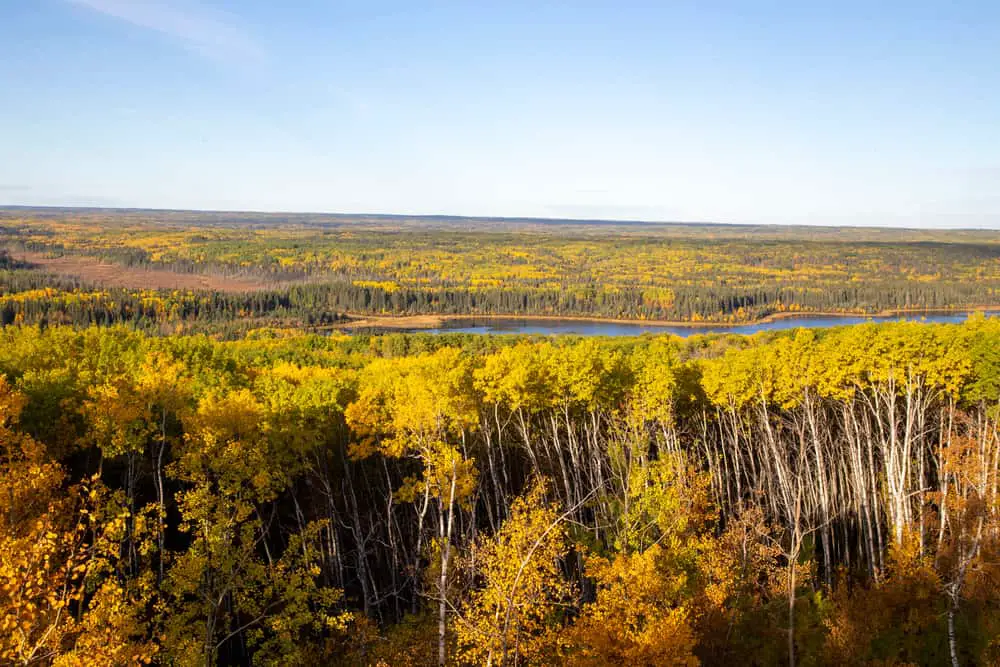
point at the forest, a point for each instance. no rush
(811, 497)
(31, 296)
(332, 266)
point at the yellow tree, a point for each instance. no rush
(510, 616)
(422, 407)
(645, 594)
(639, 616)
(115, 626)
(163, 391)
(56, 546)
(41, 546)
(895, 620)
(740, 573)
(967, 553)
(230, 590)
(118, 426)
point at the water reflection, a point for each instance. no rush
(515, 325)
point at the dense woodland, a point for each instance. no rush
(809, 497)
(31, 296)
(330, 265)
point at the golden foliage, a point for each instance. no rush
(520, 592)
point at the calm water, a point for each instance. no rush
(514, 325)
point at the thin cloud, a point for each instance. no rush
(210, 33)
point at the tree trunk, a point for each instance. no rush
(443, 581)
(952, 640)
(791, 612)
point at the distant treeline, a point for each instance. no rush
(690, 303)
(34, 297)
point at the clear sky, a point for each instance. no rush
(839, 112)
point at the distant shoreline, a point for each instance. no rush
(432, 321)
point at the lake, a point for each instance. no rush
(515, 325)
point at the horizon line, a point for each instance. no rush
(498, 218)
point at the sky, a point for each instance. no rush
(838, 113)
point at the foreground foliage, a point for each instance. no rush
(825, 497)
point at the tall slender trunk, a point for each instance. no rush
(160, 498)
(952, 639)
(421, 513)
(445, 533)
(791, 611)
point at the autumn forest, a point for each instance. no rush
(200, 271)
(211, 473)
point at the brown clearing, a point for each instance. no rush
(400, 321)
(92, 270)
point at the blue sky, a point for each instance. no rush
(787, 112)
